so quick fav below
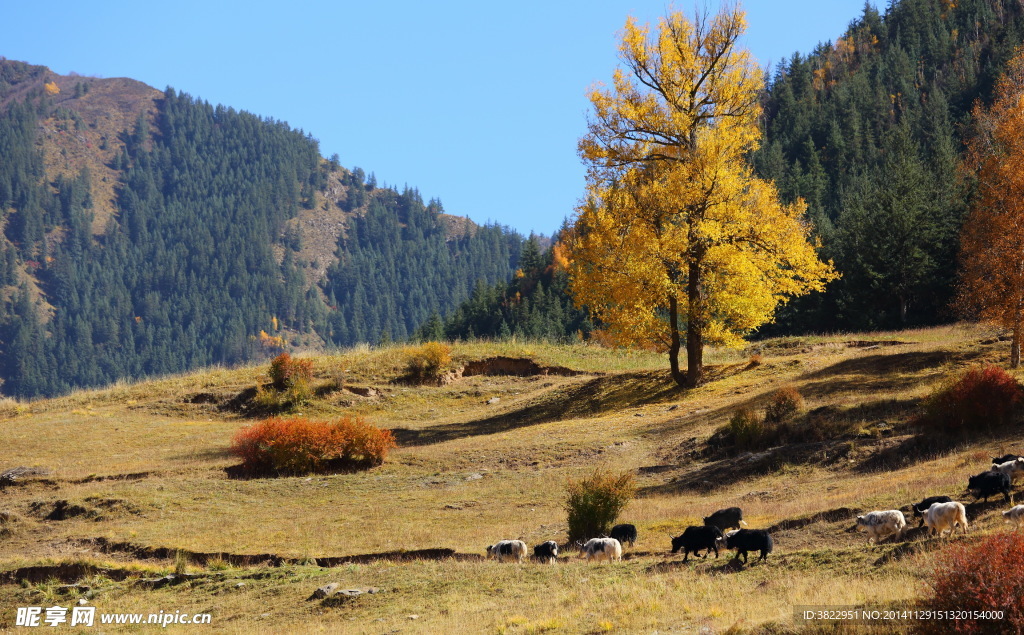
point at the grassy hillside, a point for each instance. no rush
(135, 473)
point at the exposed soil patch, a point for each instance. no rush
(140, 552)
(134, 476)
(519, 367)
(363, 391)
(17, 475)
(244, 403)
(93, 508)
(203, 398)
(66, 573)
(241, 402)
(506, 366)
(59, 510)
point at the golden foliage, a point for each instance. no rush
(992, 239)
(560, 257)
(52, 88)
(428, 361)
(845, 47)
(676, 227)
(270, 342)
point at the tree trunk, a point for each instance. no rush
(674, 346)
(1015, 346)
(903, 310)
(694, 327)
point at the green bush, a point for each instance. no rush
(593, 503)
(746, 429)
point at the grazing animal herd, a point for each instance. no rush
(941, 513)
(695, 539)
(726, 529)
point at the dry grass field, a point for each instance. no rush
(135, 488)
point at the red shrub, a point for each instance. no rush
(983, 576)
(299, 446)
(982, 398)
(366, 446)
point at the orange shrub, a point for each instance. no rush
(981, 576)
(285, 372)
(299, 446)
(980, 399)
(366, 445)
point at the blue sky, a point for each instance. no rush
(478, 104)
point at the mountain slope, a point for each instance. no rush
(869, 131)
(149, 232)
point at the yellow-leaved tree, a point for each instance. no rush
(992, 238)
(677, 235)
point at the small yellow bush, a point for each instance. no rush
(428, 361)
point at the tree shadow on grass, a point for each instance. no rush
(588, 398)
(890, 373)
(886, 364)
(727, 471)
(926, 445)
(828, 434)
(206, 454)
(823, 436)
